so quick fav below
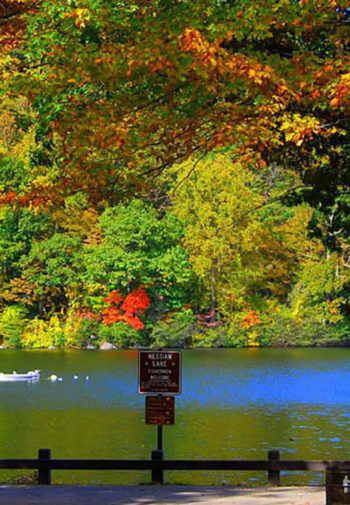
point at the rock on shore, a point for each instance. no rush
(106, 346)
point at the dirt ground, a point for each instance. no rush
(163, 495)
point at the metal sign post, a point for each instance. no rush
(160, 437)
(160, 374)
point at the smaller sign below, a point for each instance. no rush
(160, 410)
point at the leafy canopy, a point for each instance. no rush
(123, 89)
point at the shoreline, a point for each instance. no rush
(154, 349)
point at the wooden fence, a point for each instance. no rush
(273, 465)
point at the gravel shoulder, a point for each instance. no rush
(163, 495)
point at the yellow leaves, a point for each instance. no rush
(76, 222)
(212, 61)
(81, 16)
(251, 73)
(18, 290)
(13, 140)
(341, 90)
(256, 75)
(39, 333)
(335, 102)
(299, 128)
(252, 339)
(23, 2)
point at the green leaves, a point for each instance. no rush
(139, 247)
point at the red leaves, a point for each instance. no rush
(9, 197)
(32, 199)
(133, 306)
(114, 298)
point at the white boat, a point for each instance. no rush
(14, 376)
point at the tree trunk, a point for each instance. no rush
(213, 296)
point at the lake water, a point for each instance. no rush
(235, 404)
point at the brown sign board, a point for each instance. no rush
(160, 410)
(160, 372)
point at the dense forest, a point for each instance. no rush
(174, 173)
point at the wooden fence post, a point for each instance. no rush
(44, 472)
(157, 473)
(273, 475)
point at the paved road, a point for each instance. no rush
(162, 495)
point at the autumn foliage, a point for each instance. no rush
(200, 149)
(250, 318)
(122, 93)
(129, 310)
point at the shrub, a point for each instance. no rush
(229, 335)
(42, 334)
(71, 328)
(207, 337)
(174, 331)
(121, 335)
(79, 330)
(12, 324)
(309, 330)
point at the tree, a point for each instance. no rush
(18, 229)
(140, 247)
(243, 244)
(124, 89)
(39, 254)
(52, 266)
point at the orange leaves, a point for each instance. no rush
(133, 306)
(142, 91)
(158, 65)
(219, 63)
(192, 41)
(81, 17)
(207, 57)
(131, 64)
(12, 23)
(298, 128)
(153, 63)
(250, 318)
(341, 91)
(335, 101)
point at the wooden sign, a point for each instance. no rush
(160, 372)
(160, 410)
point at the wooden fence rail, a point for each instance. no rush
(273, 465)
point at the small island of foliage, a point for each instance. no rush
(174, 173)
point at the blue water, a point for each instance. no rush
(234, 404)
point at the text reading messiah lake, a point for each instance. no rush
(159, 356)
